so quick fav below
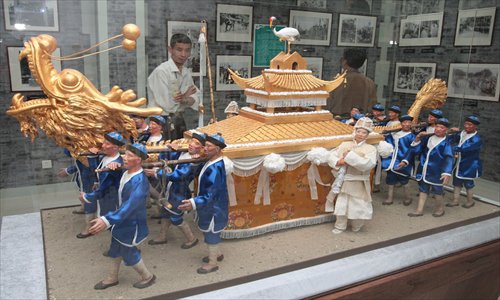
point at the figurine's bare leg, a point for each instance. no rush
(407, 194)
(470, 199)
(456, 197)
(439, 210)
(162, 237)
(390, 195)
(422, 197)
(147, 278)
(85, 232)
(191, 240)
(112, 278)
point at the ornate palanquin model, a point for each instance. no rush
(276, 149)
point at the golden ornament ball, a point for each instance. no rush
(131, 31)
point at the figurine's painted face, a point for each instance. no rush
(155, 128)
(179, 53)
(360, 134)
(393, 115)
(139, 122)
(195, 147)
(131, 160)
(377, 113)
(440, 130)
(406, 125)
(431, 119)
(109, 148)
(470, 127)
(211, 150)
(354, 111)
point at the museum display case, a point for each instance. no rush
(421, 55)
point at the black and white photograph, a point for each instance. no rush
(314, 28)
(419, 7)
(356, 30)
(410, 77)
(473, 4)
(312, 3)
(475, 27)
(241, 64)
(421, 30)
(21, 79)
(192, 30)
(315, 64)
(474, 81)
(29, 15)
(234, 23)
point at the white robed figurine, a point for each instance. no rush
(354, 201)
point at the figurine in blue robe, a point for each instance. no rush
(128, 223)
(435, 167)
(401, 141)
(211, 203)
(177, 190)
(105, 193)
(468, 164)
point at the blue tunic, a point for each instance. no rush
(434, 162)
(128, 222)
(468, 165)
(401, 150)
(107, 191)
(212, 202)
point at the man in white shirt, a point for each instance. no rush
(171, 86)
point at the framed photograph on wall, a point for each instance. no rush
(315, 64)
(410, 77)
(474, 81)
(356, 30)
(418, 7)
(21, 79)
(192, 30)
(234, 23)
(312, 3)
(475, 27)
(421, 30)
(241, 64)
(314, 28)
(29, 15)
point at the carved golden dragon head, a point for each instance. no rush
(75, 114)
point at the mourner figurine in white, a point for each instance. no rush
(354, 201)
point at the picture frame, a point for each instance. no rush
(475, 27)
(421, 30)
(418, 7)
(29, 15)
(315, 64)
(21, 79)
(474, 81)
(234, 23)
(410, 77)
(356, 30)
(238, 63)
(312, 3)
(315, 28)
(192, 30)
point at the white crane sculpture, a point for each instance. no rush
(288, 34)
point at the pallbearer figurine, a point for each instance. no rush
(436, 164)
(401, 141)
(128, 223)
(468, 165)
(106, 190)
(354, 201)
(177, 190)
(211, 203)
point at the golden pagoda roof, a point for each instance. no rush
(253, 133)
